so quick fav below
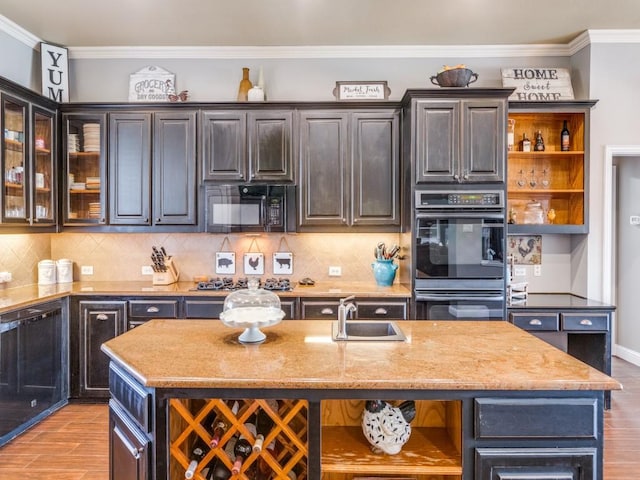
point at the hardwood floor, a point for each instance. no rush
(72, 444)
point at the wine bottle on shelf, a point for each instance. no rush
(525, 143)
(198, 452)
(539, 146)
(565, 138)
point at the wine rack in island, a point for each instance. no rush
(216, 439)
(548, 177)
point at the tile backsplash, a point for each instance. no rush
(20, 254)
(118, 256)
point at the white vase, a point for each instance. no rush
(256, 94)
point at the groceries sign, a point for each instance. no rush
(535, 84)
(151, 84)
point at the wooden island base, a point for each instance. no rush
(492, 402)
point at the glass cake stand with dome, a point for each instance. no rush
(251, 309)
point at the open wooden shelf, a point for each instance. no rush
(433, 450)
(429, 451)
(554, 178)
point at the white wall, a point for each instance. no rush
(107, 80)
(614, 77)
(19, 63)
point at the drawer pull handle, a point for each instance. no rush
(535, 321)
(102, 316)
(381, 311)
(327, 311)
(153, 309)
(586, 322)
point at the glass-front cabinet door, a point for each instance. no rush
(43, 171)
(14, 160)
(84, 184)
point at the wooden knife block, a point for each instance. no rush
(168, 277)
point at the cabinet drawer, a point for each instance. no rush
(203, 308)
(319, 310)
(135, 400)
(536, 463)
(373, 310)
(535, 321)
(585, 321)
(153, 308)
(535, 418)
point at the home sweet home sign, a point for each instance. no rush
(535, 84)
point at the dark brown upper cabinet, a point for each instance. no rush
(247, 146)
(349, 170)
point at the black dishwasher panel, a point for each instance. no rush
(32, 366)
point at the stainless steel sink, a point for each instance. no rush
(373, 331)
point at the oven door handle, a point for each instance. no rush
(427, 297)
(470, 216)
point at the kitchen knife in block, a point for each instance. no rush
(169, 276)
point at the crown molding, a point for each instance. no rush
(334, 51)
(327, 52)
(16, 31)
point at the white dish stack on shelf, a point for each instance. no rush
(73, 143)
(91, 136)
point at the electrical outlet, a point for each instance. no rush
(146, 270)
(519, 271)
(86, 269)
(537, 270)
(335, 271)
(5, 277)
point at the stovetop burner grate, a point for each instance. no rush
(229, 284)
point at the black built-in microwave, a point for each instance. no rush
(250, 208)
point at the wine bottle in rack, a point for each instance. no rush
(219, 425)
(218, 471)
(243, 448)
(264, 424)
(198, 452)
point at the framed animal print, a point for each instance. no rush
(225, 263)
(253, 263)
(282, 263)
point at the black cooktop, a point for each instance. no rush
(229, 284)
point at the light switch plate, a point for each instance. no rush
(335, 271)
(86, 269)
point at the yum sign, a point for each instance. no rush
(55, 72)
(538, 84)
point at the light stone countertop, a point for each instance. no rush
(299, 354)
(14, 298)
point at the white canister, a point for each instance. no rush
(64, 270)
(46, 272)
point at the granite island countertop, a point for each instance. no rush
(297, 354)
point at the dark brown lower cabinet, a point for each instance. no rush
(128, 447)
(99, 322)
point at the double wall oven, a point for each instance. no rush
(459, 251)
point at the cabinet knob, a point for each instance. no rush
(456, 176)
(586, 322)
(153, 309)
(466, 175)
(535, 322)
(158, 220)
(327, 311)
(102, 316)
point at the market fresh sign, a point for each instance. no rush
(538, 84)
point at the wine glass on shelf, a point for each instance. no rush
(545, 181)
(532, 180)
(521, 181)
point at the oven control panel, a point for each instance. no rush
(434, 199)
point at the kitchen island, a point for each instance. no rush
(492, 401)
